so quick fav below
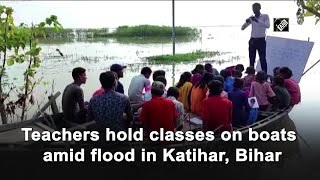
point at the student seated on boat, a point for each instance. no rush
(157, 73)
(238, 67)
(108, 108)
(197, 74)
(228, 80)
(224, 94)
(198, 93)
(159, 112)
(73, 106)
(137, 85)
(148, 96)
(291, 85)
(283, 96)
(216, 110)
(240, 104)
(117, 68)
(236, 74)
(249, 78)
(261, 90)
(209, 69)
(275, 73)
(173, 94)
(184, 85)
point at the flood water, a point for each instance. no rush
(97, 56)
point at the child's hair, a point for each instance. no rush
(225, 73)
(219, 78)
(250, 70)
(198, 69)
(238, 83)
(261, 77)
(285, 72)
(276, 71)
(215, 87)
(161, 79)
(185, 77)
(279, 81)
(237, 74)
(207, 77)
(173, 91)
(239, 67)
(158, 73)
(208, 67)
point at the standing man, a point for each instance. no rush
(260, 22)
(73, 106)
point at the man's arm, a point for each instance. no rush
(90, 113)
(265, 23)
(80, 98)
(128, 112)
(246, 24)
(147, 85)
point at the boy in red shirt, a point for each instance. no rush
(216, 110)
(159, 112)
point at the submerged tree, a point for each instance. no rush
(308, 8)
(19, 44)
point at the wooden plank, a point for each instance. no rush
(54, 107)
(16, 136)
(47, 104)
(19, 124)
(45, 127)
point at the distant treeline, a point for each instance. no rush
(124, 31)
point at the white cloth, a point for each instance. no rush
(179, 108)
(258, 28)
(135, 91)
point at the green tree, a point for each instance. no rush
(308, 8)
(19, 44)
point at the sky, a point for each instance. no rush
(97, 14)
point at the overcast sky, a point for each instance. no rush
(94, 14)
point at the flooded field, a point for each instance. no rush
(98, 55)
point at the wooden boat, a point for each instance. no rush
(11, 135)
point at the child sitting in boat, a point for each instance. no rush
(197, 74)
(224, 94)
(228, 80)
(262, 90)
(216, 111)
(184, 85)
(173, 94)
(198, 93)
(209, 69)
(236, 74)
(148, 96)
(238, 67)
(291, 85)
(240, 104)
(283, 96)
(159, 112)
(249, 78)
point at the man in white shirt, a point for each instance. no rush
(260, 22)
(137, 84)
